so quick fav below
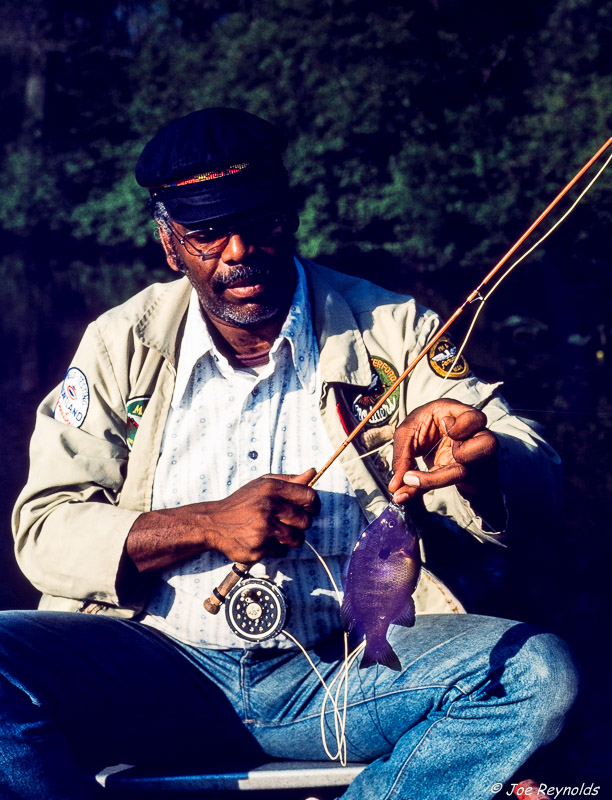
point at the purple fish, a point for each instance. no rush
(382, 575)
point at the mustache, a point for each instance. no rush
(241, 272)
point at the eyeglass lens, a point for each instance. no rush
(255, 230)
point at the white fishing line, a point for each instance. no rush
(367, 453)
(327, 570)
(339, 714)
(521, 259)
(341, 678)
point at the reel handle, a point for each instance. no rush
(238, 571)
(215, 601)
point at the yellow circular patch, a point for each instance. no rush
(442, 358)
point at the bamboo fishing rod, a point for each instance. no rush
(238, 570)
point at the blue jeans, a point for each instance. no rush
(475, 697)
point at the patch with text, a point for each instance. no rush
(442, 358)
(73, 402)
(384, 375)
(135, 409)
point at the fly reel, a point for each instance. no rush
(256, 609)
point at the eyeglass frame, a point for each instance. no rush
(219, 242)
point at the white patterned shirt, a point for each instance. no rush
(227, 427)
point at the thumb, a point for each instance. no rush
(291, 477)
(304, 477)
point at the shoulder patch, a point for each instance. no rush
(442, 358)
(73, 402)
(135, 409)
(383, 375)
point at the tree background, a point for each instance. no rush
(425, 137)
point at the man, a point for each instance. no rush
(183, 438)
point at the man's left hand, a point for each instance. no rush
(457, 437)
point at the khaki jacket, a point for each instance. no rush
(86, 487)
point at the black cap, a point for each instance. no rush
(215, 162)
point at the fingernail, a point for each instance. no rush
(448, 423)
(410, 479)
(401, 497)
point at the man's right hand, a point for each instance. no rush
(246, 526)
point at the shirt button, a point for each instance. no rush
(253, 454)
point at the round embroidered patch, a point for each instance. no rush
(442, 358)
(73, 402)
(384, 375)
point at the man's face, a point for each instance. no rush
(246, 278)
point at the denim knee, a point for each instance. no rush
(550, 680)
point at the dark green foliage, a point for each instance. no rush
(425, 138)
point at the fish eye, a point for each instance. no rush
(385, 553)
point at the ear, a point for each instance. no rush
(168, 245)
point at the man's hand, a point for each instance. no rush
(456, 436)
(254, 520)
(264, 517)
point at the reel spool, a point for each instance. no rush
(256, 609)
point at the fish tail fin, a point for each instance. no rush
(380, 652)
(408, 615)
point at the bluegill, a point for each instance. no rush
(382, 575)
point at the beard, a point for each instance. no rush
(262, 310)
(275, 272)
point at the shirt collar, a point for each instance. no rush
(297, 330)
(195, 343)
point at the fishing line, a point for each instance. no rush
(342, 677)
(327, 570)
(372, 708)
(339, 715)
(349, 660)
(343, 674)
(507, 272)
(213, 603)
(217, 598)
(597, 414)
(339, 719)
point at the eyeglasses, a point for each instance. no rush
(209, 241)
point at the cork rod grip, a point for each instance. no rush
(217, 598)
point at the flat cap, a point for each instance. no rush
(215, 162)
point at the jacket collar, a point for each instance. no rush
(343, 355)
(162, 324)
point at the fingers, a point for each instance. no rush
(287, 535)
(412, 484)
(425, 427)
(292, 506)
(464, 422)
(481, 445)
(266, 515)
(456, 433)
(295, 490)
